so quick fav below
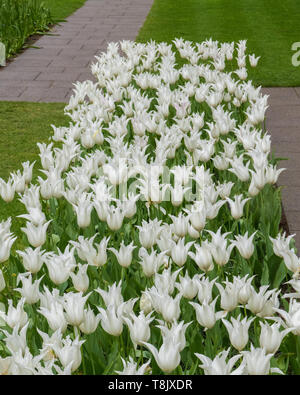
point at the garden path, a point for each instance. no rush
(283, 123)
(46, 74)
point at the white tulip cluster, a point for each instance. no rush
(144, 220)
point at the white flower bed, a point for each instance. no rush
(151, 241)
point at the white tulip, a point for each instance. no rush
(238, 331)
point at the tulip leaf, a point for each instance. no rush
(265, 274)
(280, 274)
(71, 232)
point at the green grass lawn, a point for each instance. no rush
(60, 9)
(270, 27)
(22, 126)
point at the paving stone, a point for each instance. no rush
(18, 75)
(42, 69)
(67, 76)
(72, 52)
(279, 92)
(289, 136)
(15, 84)
(297, 90)
(284, 146)
(43, 51)
(292, 161)
(34, 58)
(56, 93)
(86, 76)
(291, 198)
(283, 116)
(53, 41)
(65, 61)
(16, 91)
(293, 218)
(86, 50)
(289, 178)
(32, 94)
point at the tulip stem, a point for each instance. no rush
(122, 274)
(83, 361)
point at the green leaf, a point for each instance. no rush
(265, 274)
(55, 239)
(280, 274)
(70, 231)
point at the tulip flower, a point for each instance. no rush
(257, 362)
(17, 339)
(168, 356)
(219, 366)
(113, 295)
(2, 281)
(90, 321)
(7, 190)
(206, 314)
(70, 352)
(124, 255)
(30, 290)
(73, 304)
(33, 259)
(80, 279)
(187, 286)
(36, 234)
(150, 262)
(244, 244)
(180, 250)
(203, 257)
(16, 316)
(291, 319)
(139, 327)
(130, 368)
(271, 338)
(238, 331)
(237, 206)
(55, 316)
(111, 319)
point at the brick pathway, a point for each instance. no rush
(283, 123)
(47, 74)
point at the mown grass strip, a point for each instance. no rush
(22, 126)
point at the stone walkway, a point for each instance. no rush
(47, 74)
(283, 123)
